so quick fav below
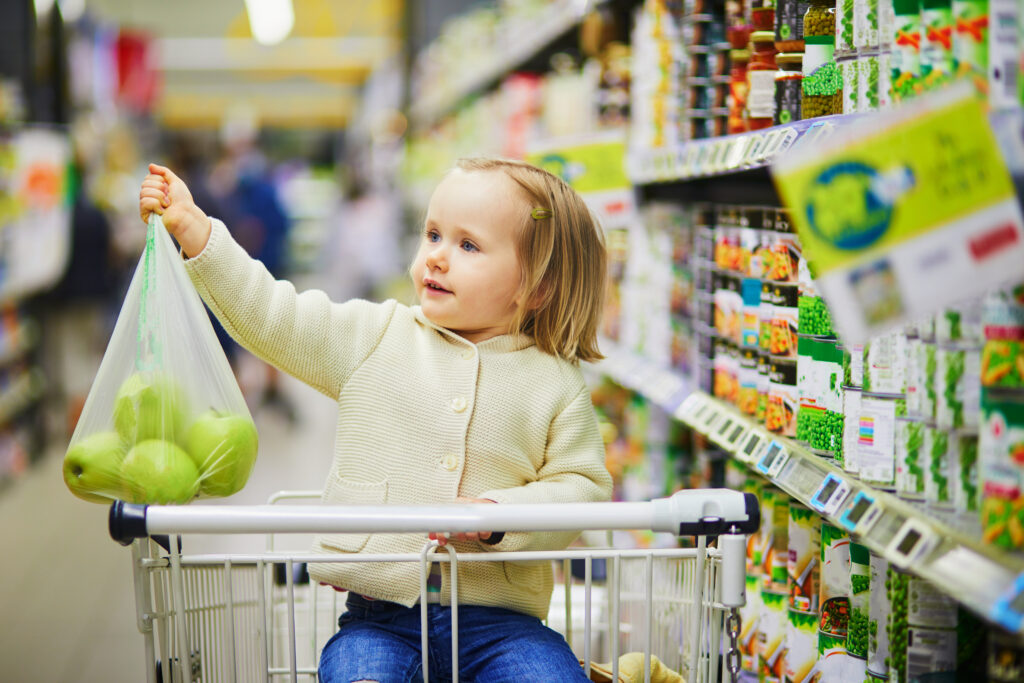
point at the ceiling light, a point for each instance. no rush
(270, 20)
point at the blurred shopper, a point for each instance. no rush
(80, 307)
(241, 184)
(474, 396)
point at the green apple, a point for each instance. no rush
(223, 446)
(92, 467)
(150, 406)
(157, 471)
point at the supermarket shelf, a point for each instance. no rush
(518, 47)
(985, 580)
(662, 386)
(711, 157)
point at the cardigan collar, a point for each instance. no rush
(503, 343)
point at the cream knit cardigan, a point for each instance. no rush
(423, 416)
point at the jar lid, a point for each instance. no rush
(762, 37)
(739, 55)
(789, 58)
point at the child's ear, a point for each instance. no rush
(539, 297)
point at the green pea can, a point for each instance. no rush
(846, 11)
(965, 479)
(896, 585)
(868, 73)
(853, 365)
(958, 390)
(866, 24)
(911, 461)
(959, 324)
(849, 67)
(860, 600)
(878, 618)
(884, 364)
(834, 586)
(851, 420)
(876, 440)
(942, 453)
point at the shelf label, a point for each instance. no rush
(861, 514)
(710, 418)
(1008, 611)
(754, 150)
(773, 459)
(735, 435)
(905, 212)
(750, 451)
(689, 409)
(830, 495)
(722, 429)
(911, 543)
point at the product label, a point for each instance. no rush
(845, 24)
(834, 587)
(906, 56)
(801, 645)
(878, 618)
(936, 45)
(910, 458)
(750, 615)
(772, 636)
(930, 651)
(868, 83)
(970, 39)
(789, 20)
(851, 425)
(787, 99)
(821, 74)
(761, 97)
(851, 85)
(1001, 459)
(876, 440)
(867, 24)
(804, 557)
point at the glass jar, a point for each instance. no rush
(788, 91)
(762, 15)
(789, 25)
(822, 85)
(761, 80)
(738, 89)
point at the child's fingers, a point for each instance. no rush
(163, 171)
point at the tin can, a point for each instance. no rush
(876, 440)
(783, 399)
(851, 429)
(860, 599)
(878, 618)
(772, 635)
(803, 568)
(774, 540)
(834, 584)
(849, 67)
(884, 364)
(942, 452)
(801, 645)
(1001, 458)
(750, 616)
(911, 460)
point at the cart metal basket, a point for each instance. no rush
(256, 617)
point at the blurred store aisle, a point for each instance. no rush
(66, 595)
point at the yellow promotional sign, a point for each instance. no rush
(590, 167)
(904, 212)
(895, 185)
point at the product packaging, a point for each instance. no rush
(804, 558)
(876, 455)
(164, 421)
(851, 429)
(772, 637)
(1001, 472)
(936, 43)
(860, 601)
(958, 387)
(911, 458)
(905, 64)
(783, 397)
(879, 609)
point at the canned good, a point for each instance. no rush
(910, 457)
(774, 540)
(813, 316)
(819, 382)
(728, 300)
(868, 81)
(849, 66)
(942, 452)
(746, 392)
(920, 378)
(905, 64)
(782, 334)
(772, 636)
(845, 19)
(803, 569)
(897, 584)
(959, 324)
(1002, 359)
(958, 380)
(763, 383)
(853, 365)
(834, 585)
(883, 364)
(1001, 457)
(876, 442)
(929, 651)
(879, 608)
(725, 371)
(801, 645)
(929, 607)
(788, 87)
(835, 662)
(866, 24)
(860, 599)
(789, 25)
(783, 266)
(750, 322)
(783, 398)
(936, 44)
(851, 429)
(965, 481)
(750, 615)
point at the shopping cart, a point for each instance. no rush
(255, 617)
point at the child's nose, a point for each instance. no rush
(436, 258)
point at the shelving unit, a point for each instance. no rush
(984, 580)
(519, 45)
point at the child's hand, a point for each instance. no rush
(443, 538)
(167, 195)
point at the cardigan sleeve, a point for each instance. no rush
(304, 334)
(573, 472)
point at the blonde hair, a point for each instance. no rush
(561, 251)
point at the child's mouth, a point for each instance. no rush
(434, 287)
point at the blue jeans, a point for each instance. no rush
(380, 641)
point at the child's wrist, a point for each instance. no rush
(196, 233)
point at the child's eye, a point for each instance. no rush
(469, 246)
(433, 236)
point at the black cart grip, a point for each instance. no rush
(127, 522)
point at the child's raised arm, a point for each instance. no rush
(167, 195)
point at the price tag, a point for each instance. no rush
(700, 161)
(689, 409)
(911, 543)
(773, 459)
(751, 449)
(1009, 608)
(736, 153)
(754, 150)
(722, 429)
(735, 436)
(830, 495)
(709, 420)
(861, 514)
(786, 140)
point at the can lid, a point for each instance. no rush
(789, 58)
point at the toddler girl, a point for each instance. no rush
(475, 395)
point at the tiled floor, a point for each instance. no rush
(66, 597)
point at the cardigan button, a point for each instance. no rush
(458, 404)
(450, 462)
(468, 354)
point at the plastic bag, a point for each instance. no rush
(164, 421)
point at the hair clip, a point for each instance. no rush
(539, 214)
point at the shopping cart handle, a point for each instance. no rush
(692, 512)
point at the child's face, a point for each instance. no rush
(466, 272)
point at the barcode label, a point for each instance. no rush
(1010, 75)
(918, 663)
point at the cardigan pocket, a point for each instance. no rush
(343, 491)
